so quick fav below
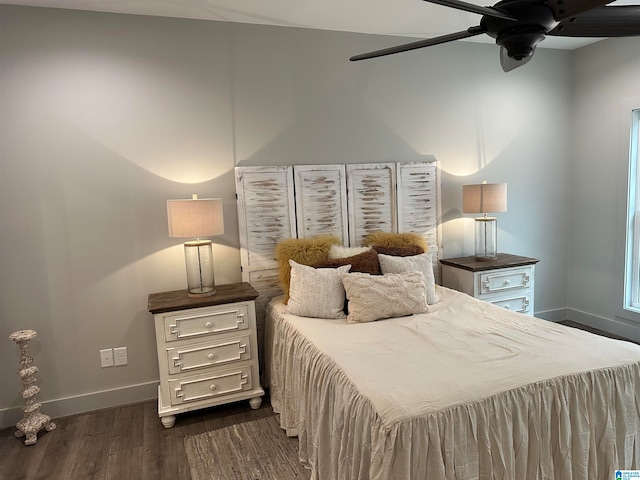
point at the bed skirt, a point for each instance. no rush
(580, 427)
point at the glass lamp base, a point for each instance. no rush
(199, 260)
(486, 238)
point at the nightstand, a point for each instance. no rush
(207, 349)
(507, 281)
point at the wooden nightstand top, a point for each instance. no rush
(179, 300)
(504, 260)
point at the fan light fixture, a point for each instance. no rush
(196, 218)
(485, 198)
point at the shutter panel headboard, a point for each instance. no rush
(419, 204)
(266, 215)
(321, 201)
(372, 202)
(348, 201)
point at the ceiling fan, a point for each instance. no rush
(519, 25)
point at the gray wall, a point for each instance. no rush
(104, 117)
(605, 87)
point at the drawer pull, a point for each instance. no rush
(208, 324)
(211, 356)
(506, 307)
(212, 386)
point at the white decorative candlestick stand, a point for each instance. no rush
(33, 420)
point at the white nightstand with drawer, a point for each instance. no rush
(207, 349)
(507, 281)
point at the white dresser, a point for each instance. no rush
(508, 281)
(207, 349)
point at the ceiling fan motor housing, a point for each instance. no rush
(519, 37)
(521, 44)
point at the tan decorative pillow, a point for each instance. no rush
(366, 262)
(316, 292)
(305, 251)
(421, 263)
(386, 239)
(373, 297)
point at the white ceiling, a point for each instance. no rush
(409, 18)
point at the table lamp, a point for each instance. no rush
(485, 198)
(196, 218)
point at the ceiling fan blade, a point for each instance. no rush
(568, 8)
(613, 21)
(469, 32)
(507, 63)
(470, 7)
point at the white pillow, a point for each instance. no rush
(421, 263)
(316, 292)
(372, 297)
(338, 251)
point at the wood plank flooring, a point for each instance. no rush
(121, 443)
(597, 331)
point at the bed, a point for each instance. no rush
(462, 390)
(466, 391)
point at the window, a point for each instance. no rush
(632, 260)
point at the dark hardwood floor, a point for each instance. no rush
(122, 443)
(597, 331)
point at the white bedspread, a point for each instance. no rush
(467, 391)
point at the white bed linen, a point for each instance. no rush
(467, 391)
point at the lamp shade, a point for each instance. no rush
(484, 198)
(195, 218)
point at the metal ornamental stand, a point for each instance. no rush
(33, 420)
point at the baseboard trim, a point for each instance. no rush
(63, 407)
(618, 326)
(557, 315)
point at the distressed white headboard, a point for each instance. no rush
(348, 201)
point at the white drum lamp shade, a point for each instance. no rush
(485, 198)
(196, 218)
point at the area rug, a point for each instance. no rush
(255, 450)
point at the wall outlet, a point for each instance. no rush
(120, 356)
(106, 357)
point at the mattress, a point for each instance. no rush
(466, 391)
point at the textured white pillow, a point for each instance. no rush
(316, 292)
(372, 297)
(338, 251)
(421, 263)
